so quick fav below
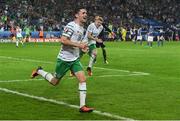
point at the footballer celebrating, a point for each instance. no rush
(92, 33)
(68, 57)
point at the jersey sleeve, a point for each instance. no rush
(90, 28)
(68, 31)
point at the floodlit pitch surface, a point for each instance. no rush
(138, 83)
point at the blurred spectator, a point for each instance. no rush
(53, 13)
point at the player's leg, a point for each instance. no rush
(46, 75)
(141, 42)
(162, 42)
(97, 46)
(124, 38)
(71, 72)
(27, 38)
(61, 68)
(151, 43)
(104, 53)
(135, 39)
(105, 56)
(17, 42)
(14, 38)
(95, 60)
(79, 73)
(21, 41)
(158, 42)
(92, 54)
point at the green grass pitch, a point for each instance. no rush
(139, 83)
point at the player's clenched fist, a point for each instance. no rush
(84, 47)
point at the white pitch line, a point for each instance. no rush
(25, 80)
(62, 103)
(112, 69)
(49, 62)
(29, 60)
(102, 76)
(120, 75)
(131, 50)
(143, 73)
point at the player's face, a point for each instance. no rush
(82, 15)
(98, 23)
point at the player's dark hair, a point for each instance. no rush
(77, 9)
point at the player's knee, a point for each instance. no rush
(82, 78)
(55, 81)
(82, 81)
(94, 54)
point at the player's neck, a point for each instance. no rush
(97, 26)
(78, 22)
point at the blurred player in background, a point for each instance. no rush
(149, 36)
(19, 37)
(123, 33)
(68, 57)
(139, 36)
(101, 44)
(13, 33)
(160, 38)
(27, 33)
(92, 33)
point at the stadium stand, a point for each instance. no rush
(54, 14)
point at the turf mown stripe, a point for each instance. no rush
(62, 103)
(49, 62)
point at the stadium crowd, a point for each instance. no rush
(52, 15)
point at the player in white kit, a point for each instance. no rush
(92, 33)
(68, 57)
(19, 37)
